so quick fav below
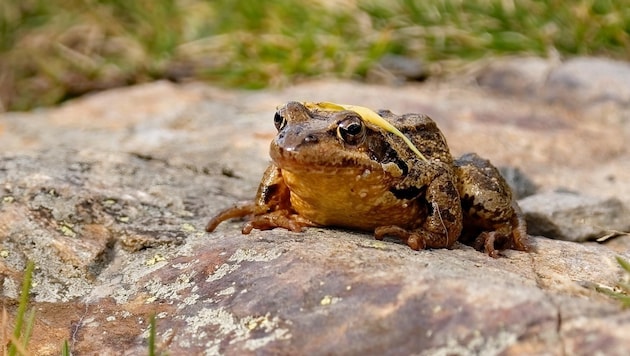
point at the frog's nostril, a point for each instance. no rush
(310, 138)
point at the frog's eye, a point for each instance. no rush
(351, 130)
(279, 121)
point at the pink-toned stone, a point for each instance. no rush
(109, 195)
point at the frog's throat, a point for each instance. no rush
(368, 115)
(287, 162)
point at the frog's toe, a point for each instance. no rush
(485, 241)
(520, 241)
(493, 241)
(279, 218)
(519, 234)
(413, 239)
(416, 241)
(238, 211)
(264, 222)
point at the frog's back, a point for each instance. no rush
(423, 132)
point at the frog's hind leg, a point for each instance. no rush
(519, 239)
(509, 236)
(485, 241)
(493, 241)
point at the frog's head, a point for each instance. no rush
(319, 139)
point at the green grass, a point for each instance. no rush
(23, 327)
(152, 332)
(17, 342)
(52, 51)
(622, 290)
(65, 349)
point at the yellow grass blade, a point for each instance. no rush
(369, 116)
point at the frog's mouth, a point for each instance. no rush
(314, 161)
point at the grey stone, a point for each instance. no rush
(396, 70)
(574, 217)
(109, 195)
(515, 76)
(596, 88)
(588, 81)
(522, 186)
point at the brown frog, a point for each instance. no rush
(390, 174)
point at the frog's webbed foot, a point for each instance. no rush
(279, 218)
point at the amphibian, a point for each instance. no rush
(345, 166)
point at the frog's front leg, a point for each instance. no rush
(270, 209)
(279, 218)
(237, 211)
(443, 223)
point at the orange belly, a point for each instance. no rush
(353, 198)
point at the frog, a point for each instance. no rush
(392, 175)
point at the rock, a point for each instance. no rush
(573, 217)
(69, 213)
(522, 186)
(396, 70)
(524, 76)
(597, 87)
(322, 291)
(109, 195)
(585, 81)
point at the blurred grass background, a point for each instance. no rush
(54, 50)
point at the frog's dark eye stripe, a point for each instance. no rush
(351, 130)
(279, 121)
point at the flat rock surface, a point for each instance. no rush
(109, 195)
